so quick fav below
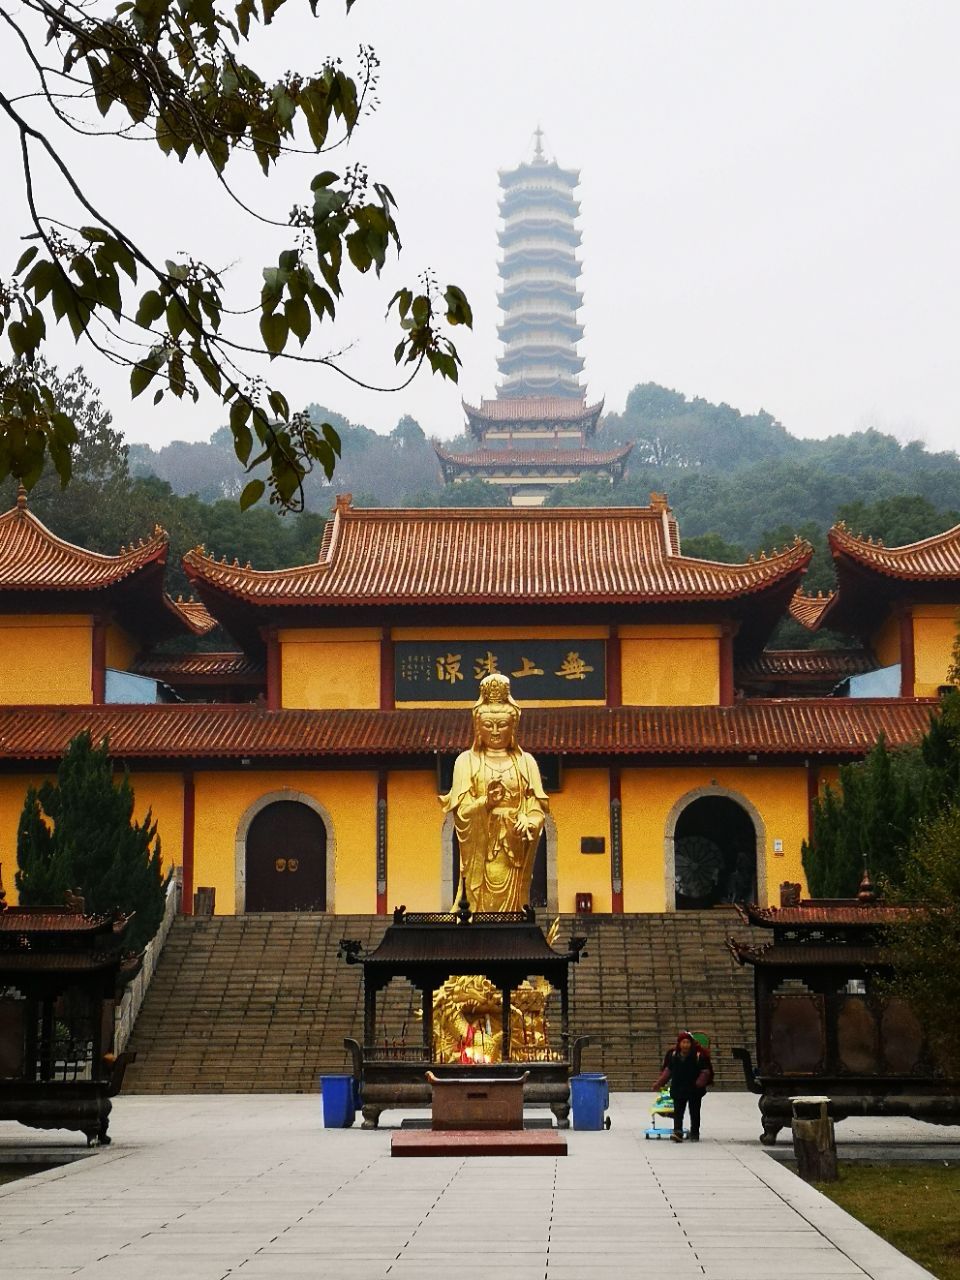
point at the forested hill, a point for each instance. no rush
(738, 484)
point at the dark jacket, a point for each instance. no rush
(687, 1075)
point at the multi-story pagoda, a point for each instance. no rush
(536, 434)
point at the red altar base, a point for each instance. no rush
(475, 1142)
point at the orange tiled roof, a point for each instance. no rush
(193, 613)
(830, 727)
(813, 913)
(465, 555)
(199, 666)
(552, 457)
(931, 559)
(32, 558)
(825, 663)
(807, 609)
(534, 409)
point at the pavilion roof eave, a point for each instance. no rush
(833, 729)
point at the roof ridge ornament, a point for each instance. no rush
(21, 497)
(344, 502)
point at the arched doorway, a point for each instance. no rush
(539, 894)
(714, 854)
(286, 859)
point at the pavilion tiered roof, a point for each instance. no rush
(556, 410)
(553, 458)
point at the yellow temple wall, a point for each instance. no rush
(651, 799)
(163, 794)
(934, 634)
(46, 659)
(885, 642)
(330, 668)
(121, 648)
(415, 870)
(582, 808)
(13, 788)
(669, 666)
(348, 798)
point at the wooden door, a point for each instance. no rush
(287, 859)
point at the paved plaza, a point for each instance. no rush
(252, 1186)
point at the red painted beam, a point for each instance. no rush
(274, 671)
(614, 670)
(907, 655)
(727, 692)
(386, 671)
(98, 675)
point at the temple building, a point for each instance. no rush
(300, 769)
(537, 433)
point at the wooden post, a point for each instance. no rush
(428, 1023)
(814, 1140)
(505, 1042)
(907, 654)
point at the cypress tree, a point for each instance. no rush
(79, 833)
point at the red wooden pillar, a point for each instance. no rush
(189, 835)
(614, 669)
(274, 671)
(616, 841)
(727, 692)
(98, 668)
(382, 842)
(386, 671)
(907, 655)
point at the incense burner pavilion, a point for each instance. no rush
(300, 769)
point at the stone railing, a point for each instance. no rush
(129, 1006)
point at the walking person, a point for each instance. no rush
(687, 1068)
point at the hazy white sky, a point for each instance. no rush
(769, 190)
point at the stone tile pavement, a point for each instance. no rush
(253, 1188)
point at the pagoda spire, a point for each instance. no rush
(539, 298)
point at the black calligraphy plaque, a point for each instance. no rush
(451, 670)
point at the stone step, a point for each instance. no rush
(261, 1003)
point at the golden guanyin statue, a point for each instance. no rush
(499, 804)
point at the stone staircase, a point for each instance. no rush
(261, 1004)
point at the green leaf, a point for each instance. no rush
(278, 403)
(274, 331)
(253, 492)
(141, 375)
(298, 318)
(151, 308)
(458, 308)
(26, 258)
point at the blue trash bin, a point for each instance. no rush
(590, 1098)
(339, 1103)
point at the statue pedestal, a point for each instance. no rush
(465, 1103)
